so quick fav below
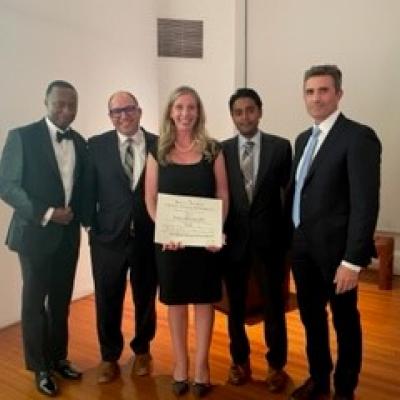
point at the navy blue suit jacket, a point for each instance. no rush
(340, 197)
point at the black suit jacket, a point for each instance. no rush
(261, 223)
(30, 182)
(340, 197)
(110, 204)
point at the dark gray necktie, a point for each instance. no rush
(129, 160)
(247, 167)
(129, 165)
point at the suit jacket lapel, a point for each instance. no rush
(148, 140)
(115, 157)
(78, 156)
(327, 147)
(301, 146)
(232, 154)
(149, 143)
(299, 150)
(265, 158)
(47, 146)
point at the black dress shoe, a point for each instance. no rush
(46, 384)
(310, 391)
(65, 369)
(179, 388)
(200, 389)
(342, 396)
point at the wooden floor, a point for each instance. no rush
(379, 380)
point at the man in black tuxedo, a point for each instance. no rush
(255, 231)
(121, 234)
(40, 178)
(335, 182)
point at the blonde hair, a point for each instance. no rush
(167, 137)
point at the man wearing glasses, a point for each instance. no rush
(121, 235)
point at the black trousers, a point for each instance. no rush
(111, 267)
(48, 281)
(313, 294)
(270, 274)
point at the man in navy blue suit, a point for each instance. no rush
(335, 181)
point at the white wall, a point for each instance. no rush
(100, 47)
(216, 75)
(363, 38)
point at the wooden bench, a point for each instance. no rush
(254, 300)
(384, 245)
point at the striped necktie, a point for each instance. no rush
(129, 160)
(247, 167)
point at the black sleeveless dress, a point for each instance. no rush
(190, 275)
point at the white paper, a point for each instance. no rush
(190, 220)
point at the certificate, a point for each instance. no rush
(192, 221)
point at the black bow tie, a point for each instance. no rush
(66, 135)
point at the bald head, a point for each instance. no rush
(124, 112)
(121, 94)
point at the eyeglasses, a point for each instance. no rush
(128, 110)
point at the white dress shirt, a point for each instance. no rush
(65, 157)
(324, 127)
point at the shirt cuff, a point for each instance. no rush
(353, 267)
(47, 216)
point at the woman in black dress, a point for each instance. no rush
(187, 163)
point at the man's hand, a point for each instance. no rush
(62, 215)
(345, 279)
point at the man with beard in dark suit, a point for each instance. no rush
(258, 166)
(121, 235)
(335, 186)
(41, 179)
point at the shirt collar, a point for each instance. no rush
(137, 138)
(326, 125)
(255, 139)
(53, 129)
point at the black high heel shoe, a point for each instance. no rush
(200, 389)
(179, 388)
